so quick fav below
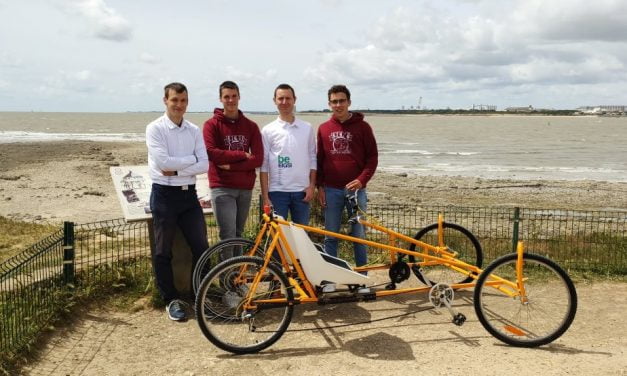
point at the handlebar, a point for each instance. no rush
(351, 198)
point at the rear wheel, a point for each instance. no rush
(220, 305)
(219, 252)
(457, 239)
(542, 316)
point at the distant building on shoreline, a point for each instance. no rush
(520, 109)
(603, 109)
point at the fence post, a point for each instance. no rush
(515, 230)
(68, 252)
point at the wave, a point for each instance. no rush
(20, 136)
(513, 172)
(426, 152)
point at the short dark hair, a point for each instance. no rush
(339, 89)
(176, 86)
(228, 85)
(284, 87)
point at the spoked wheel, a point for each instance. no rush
(221, 251)
(457, 239)
(539, 317)
(220, 308)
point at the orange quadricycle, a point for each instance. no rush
(246, 290)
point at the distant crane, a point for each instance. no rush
(419, 103)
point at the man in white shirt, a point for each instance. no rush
(176, 154)
(288, 172)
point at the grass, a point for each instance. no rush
(34, 316)
(17, 235)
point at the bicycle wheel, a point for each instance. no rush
(221, 251)
(219, 305)
(546, 313)
(457, 239)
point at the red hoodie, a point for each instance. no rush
(346, 151)
(227, 142)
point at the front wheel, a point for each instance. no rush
(221, 298)
(539, 317)
(457, 239)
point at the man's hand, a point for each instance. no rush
(309, 194)
(225, 166)
(354, 185)
(321, 197)
(267, 202)
(168, 173)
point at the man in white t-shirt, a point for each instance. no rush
(288, 172)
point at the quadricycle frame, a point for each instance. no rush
(246, 290)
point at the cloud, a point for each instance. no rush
(148, 58)
(9, 61)
(68, 83)
(534, 43)
(105, 21)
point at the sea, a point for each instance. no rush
(524, 147)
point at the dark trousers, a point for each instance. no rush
(172, 207)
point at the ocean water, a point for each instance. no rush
(518, 147)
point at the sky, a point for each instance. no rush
(116, 55)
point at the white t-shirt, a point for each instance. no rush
(289, 153)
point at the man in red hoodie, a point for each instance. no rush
(235, 150)
(347, 159)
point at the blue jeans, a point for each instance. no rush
(292, 202)
(172, 207)
(336, 202)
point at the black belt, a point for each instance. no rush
(177, 187)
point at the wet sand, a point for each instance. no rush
(70, 181)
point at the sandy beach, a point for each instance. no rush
(70, 181)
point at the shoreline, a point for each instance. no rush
(69, 181)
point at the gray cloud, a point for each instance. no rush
(104, 21)
(533, 43)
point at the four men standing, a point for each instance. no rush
(233, 147)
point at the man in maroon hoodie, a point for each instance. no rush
(347, 158)
(235, 150)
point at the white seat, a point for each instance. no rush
(319, 266)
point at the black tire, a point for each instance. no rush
(548, 312)
(219, 306)
(457, 239)
(219, 252)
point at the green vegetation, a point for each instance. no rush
(17, 235)
(41, 306)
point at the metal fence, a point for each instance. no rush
(35, 284)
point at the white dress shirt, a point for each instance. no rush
(289, 153)
(173, 148)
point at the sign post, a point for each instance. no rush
(133, 186)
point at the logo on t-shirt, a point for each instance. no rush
(284, 161)
(236, 142)
(340, 142)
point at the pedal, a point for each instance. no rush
(459, 319)
(442, 294)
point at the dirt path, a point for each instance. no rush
(319, 342)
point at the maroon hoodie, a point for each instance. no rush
(346, 151)
(227, 142)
